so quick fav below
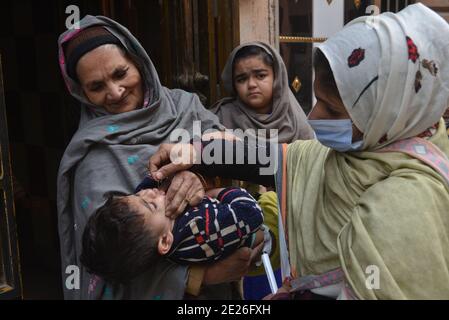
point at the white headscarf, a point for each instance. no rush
(392, 73)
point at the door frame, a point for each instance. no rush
(10, 277)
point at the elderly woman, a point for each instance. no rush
(365, 212)
(125, 114)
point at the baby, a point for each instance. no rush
(127, 233)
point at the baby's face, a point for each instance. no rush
(151, 203)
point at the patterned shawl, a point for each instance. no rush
(368, 210)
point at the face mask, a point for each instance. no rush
(335, 134)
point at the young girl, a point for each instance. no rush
(256, 77)
(257, 80)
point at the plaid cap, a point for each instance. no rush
(84, 42)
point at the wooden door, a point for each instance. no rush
(10, 280)
(187, 40)
(198, 37)
(302, 24)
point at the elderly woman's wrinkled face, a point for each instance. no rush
(110, 79)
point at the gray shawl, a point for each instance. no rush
(110, 153)
(287, 115)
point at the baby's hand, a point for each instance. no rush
(259, 238)
(213, 193)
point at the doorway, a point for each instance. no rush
(302, 24)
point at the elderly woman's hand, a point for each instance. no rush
(185, 189)
(170, 159)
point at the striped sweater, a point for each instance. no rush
(216, 227)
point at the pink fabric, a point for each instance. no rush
(422, 150)
(313, 282)
(93, 284)
(66, 38)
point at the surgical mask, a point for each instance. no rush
(335, 134)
